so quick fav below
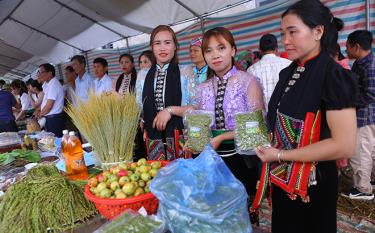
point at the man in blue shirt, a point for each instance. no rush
(358, 47)
(7, 120)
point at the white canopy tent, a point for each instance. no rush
(37, 31)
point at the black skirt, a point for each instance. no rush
(316, 216)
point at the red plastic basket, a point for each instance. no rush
(110, 208)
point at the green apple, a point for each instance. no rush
(114, 185)
(123, 166)
(128, 188)
(134, 177)
(154, 172)
(123, 180)
(145, 176)
(101, 186)
(139, 191)
(120, 195)
(141, 183)
(156, 164)
(117, 191)
(142, 161)
(105, 193)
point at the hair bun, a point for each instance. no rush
(339, 24)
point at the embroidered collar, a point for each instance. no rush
(164, 69)
(229, 74)
(308, 60)
(200, 71)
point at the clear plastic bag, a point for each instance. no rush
(132, 222)
(201, 195)
(198, 129)
(250, 132)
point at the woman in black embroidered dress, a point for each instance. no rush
(166, 92)
(313, 82)
(126, 81)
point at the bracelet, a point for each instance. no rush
(169, 109)
(279, 154)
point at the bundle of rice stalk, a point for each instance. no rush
(109, 122)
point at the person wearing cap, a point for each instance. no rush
(196, 57)
(269, 66)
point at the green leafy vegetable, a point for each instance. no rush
(30, 155)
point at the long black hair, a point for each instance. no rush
(133, 76)
(131, 58)
(313, 13)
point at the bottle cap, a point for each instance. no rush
(65, 131)
(71, 133)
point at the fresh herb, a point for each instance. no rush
(29, 155)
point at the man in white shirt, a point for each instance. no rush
(269, 66)
(53, 100)
(103, 82)
(84, 83)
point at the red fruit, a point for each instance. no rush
(122, 173)
(101, 178)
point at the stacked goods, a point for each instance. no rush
(43, 201)
(109, 123)
(125, 180)
(198, 125)
(251, 132)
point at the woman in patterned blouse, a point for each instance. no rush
(126, 81)
(165, 92)
(226, 92)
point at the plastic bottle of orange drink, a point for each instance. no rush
(75, 159)
(65, 149)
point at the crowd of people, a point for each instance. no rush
(315, 77)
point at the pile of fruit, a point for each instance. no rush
(125, 180)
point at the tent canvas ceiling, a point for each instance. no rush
(37, 31)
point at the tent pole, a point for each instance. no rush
(87, 61)
(59, 68)
(127, 44)
(193, 12)
(368, 15)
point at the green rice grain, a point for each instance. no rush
(251, 131)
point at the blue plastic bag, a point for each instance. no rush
(201, 195)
